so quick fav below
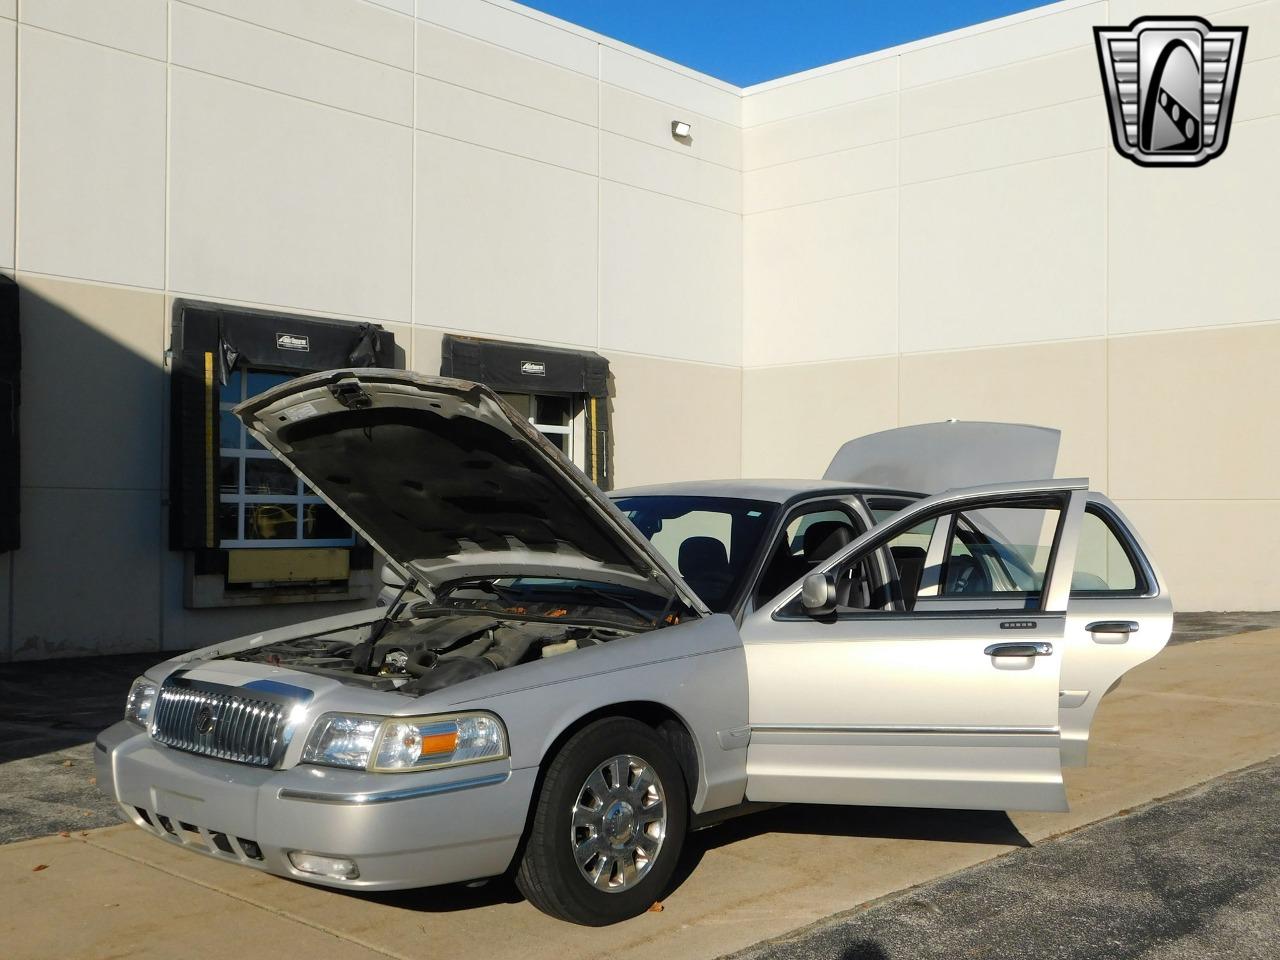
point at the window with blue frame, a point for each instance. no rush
(262, 503)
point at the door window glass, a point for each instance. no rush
(999, 550)
(810, 536)
(1103, 565)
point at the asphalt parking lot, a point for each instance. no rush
(1199, 711)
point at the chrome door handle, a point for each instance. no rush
(1037, 649)
(1113, 626)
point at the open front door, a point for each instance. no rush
(941, 697)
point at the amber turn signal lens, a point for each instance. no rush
(439, 743)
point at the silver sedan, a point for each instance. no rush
(563, 685)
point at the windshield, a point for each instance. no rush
(710, 540)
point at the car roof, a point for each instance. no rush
(774, 491)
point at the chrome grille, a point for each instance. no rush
(229, 723)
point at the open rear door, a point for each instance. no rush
(1120, 615)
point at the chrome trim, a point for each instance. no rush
(390, 796)
(1112, 626)
(895, 728)
(1020, 648)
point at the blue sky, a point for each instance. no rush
(750, 41)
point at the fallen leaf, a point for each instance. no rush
(39, 866)
(84, 833)
(68, 763)
(94, 781)
(65, 833)
(657, 907)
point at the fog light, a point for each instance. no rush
(335, 868)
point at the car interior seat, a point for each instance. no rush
(704, 564)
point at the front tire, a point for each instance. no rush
(608, 825)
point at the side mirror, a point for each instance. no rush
(818, 594)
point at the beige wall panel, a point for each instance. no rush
(403, 333)
(1259, 95)
(665, 171)
(1262, 19)
(652, 79)
(1067, 128)
(674, 421)
(427, 344)
(462, 114)
(821, 281)
(360, 28)
(835, 88)
(92, 385)
(833, 175)
(266, 58)
(499, 72)
(1214, 554)
(8, 133)
(834, 402)
(505, 246)
(92, 154)
(400, 6)
(1197, 250)
(137, 26)
(9, 9)
(287, 203)
(1061, 385)
(515, 28)
(814, 134)
(1035, 35)
(1025, 85)
(1005, 256)
(104, 600)
(644, 118)
(1193, 414)
(670, 277)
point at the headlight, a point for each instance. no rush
(142, 696)
(404, 744)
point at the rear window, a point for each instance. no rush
(1104, 561)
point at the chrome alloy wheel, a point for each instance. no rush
(619, 823)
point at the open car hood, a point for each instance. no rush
(933, 457)
(448, 482)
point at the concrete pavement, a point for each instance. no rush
(1196, 712)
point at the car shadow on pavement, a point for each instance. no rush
(953, 826)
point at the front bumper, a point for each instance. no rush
(402, 830)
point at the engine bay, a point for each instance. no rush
(434, 647)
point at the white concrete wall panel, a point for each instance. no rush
(834, 401)
(643, 118)
(136, 26)
(862, 79)
(287, 203)
(1201, 249)
(821, 281)
(1035, 134)
(365, 29)
(92, 385)
(91, 155)
(506, 74)
(477, 118)
(1011, 255)
(516, 28)
(506, 246)
(825, 177)
(857, 124)
(671, 277)
(665, 171)
(652, 79)
(1036, 33)
(9, 9)
(231, 48)
(1025, 85)
(1214, 554)
(112, 602)
(8, 138)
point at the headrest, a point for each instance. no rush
(824, 538)
(702, 555)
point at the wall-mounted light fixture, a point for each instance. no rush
(680, 130)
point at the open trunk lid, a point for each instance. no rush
(448, 482)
